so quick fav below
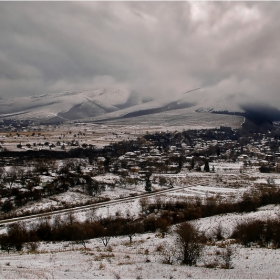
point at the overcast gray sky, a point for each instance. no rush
(154, 48)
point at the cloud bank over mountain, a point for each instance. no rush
(156, 49)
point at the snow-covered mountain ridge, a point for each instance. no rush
(112, 103)
(68, 105)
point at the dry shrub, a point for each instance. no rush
(97, 258)
(227, 255)
(211, 264)
(103, 255)
(101, 266)
(116, 275)
(159, 248)
(169, 254)
(32, 246)
(109, 249)
(260, 232)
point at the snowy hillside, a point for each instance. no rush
(199, 102)
(112, 103)
(67, 105)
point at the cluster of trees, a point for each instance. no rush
(17, 175)
(30, 187)
(70, 229)
(189, 241)
(263, 233)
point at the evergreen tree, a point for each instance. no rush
(107, 164)
(206, 166)
(180, 165)
(192, 163)
(148, 186)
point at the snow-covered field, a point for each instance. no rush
(143, 258)
(182, 119)
(99, 135)
(229, 221)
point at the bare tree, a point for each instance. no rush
(11, 176)
(105, 240)
(81, 241)
(70, 218)
(91, 214)
(130, 229)
(144, 202)
(105, 235)
(189, 243)
(217, 232)
(2, 173)
(270, 181)
(227, 255)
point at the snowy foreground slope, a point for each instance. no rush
(144, 258)
(147, 255)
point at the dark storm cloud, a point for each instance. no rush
(154, 48)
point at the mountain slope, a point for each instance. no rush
(111, 104)
(68, 105)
